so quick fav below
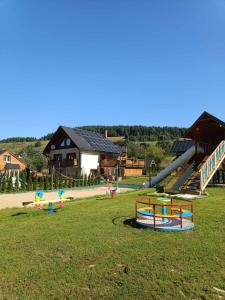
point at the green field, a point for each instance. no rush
(86, 251)
(17, 147)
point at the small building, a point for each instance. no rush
(10, 164)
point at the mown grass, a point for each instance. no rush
(85, 251)
(134, 180)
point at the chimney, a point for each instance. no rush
(106, 133)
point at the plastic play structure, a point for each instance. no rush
(112, 191)
(165, 214)
(51, 205)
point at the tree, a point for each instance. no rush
(10, 184)
(41, 183)
(24, 181)
(29, 184)
(35, 184)
(17, 187)
(155, 152)
(37, 144)
(4, 184)
(46, 184)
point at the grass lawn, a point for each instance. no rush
(134, 180)
(86, 252)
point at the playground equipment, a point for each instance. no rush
(165, 214)
(112, 191)
(40, 203)
(171, 167)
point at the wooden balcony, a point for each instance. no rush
(133, 163)
(63, 163)
(108, 163)
(124, 163)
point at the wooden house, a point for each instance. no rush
(10, 164)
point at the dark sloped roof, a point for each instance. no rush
(91, 141)
(10, 166)
(204, 116)
(2, 151)
(180, 147)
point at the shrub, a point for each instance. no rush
(41, 183)
(17, 187)
(30, 184)
(10, 184)
(46, 184)
(35, 184)
(4, 185)
(37, 144)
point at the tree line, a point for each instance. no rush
(136, 133)
(26, 182)
(133, 133)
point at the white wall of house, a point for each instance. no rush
(89, 162)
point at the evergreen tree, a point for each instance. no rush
(81, 181)
(46, 184)
(29, 184)
(4, 184)
(89, 180)
(56, 182)
(41, 183)
(85, 180)
(35, 184)
(60, 183)
(10, 184)
(70, 183)
(24, 181)
(17, 186)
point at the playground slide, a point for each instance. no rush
(171, 167)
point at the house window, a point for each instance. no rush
(58, 157)
(7, 158)
(68, 142)
(71, 156)
(62, 143)
(65, 143)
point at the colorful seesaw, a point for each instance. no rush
(50, 205)
(166, 214)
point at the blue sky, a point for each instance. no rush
(148, 62)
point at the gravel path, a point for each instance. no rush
(16, 200)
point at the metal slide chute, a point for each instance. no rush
(181, 160)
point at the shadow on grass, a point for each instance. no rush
(131, 222)
(19, 214)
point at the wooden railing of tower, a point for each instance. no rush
(212, 164)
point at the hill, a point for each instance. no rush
(136, 133)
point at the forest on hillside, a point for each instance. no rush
(132, 133)
(136, 133)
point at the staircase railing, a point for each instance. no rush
(211, 165)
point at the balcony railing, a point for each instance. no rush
(108, 163)
(63, 163)
(124, 163)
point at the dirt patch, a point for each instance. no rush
(16, 200)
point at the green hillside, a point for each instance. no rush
(18, 147)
